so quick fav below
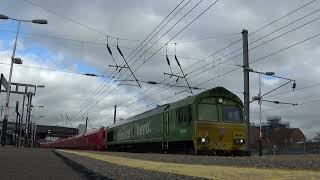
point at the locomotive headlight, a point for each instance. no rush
(239, 141)
(220, 100)
(203, 140)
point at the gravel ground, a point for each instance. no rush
(34, 164)
(105, 170)
(309, 162)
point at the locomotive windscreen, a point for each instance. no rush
(231, 113)
(207, 112)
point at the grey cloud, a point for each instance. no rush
(132, 19)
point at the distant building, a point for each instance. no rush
(275, 132)
(274, 123)
(81, 128)
(285, 136)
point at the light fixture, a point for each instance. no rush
(269, 73)
(17, 60)
(39, 21)
(40, 86)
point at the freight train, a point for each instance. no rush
(210, 122)
(92, 140)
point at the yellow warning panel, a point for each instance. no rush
(206, 171)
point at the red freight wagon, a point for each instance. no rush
(92, 140)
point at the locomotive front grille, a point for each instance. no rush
(219, 136)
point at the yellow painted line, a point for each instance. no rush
(206, 171)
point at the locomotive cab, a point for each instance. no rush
(219, 126)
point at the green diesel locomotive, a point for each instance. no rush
(209, 122)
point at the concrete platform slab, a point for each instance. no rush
(34, 164)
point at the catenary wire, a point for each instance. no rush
(259, 59)
(144, 40)
(291, 12)
(169, 41)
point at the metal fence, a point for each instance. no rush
(294, 149)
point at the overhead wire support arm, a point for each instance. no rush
(283, 78)
(127, 84)
(175, 57)
(279, 102)
(63, 119)
(118, 66)
(167, 58)
(67, 117)
(120, 52)
(173, 75)
(184, 75)
(294, 86)
(109, 50)
(88, 122)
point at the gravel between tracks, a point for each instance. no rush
(308, 162)
(112, 171)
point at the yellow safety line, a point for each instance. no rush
(206, 171)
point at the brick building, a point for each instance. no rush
(275, 132)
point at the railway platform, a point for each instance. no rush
(35, 164)
(29, 163)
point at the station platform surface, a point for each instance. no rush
(34, 164)
(198, 170)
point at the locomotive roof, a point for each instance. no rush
(215, 92)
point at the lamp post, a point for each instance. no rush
(33, 124)
(15, 60)
(35, 131)
(28, 121)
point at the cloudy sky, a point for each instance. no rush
(74, 42)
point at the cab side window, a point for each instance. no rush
(184, 115)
